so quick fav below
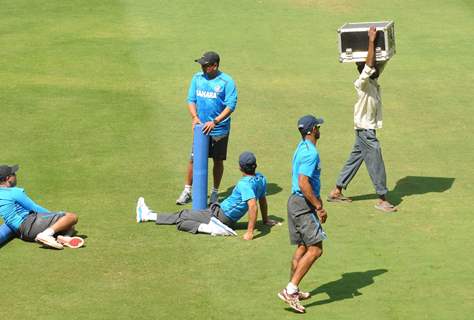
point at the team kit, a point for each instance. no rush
(212, 98)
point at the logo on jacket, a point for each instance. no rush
(206, 94)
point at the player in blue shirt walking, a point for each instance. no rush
(305, 210)
(220, 219)
(31, 222)
(212, 97)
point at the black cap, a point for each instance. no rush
(307, 123)
(209, 57)
(247, 160)
(6, 171)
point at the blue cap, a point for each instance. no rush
(308, 122)
(247, 159)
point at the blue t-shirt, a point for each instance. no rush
(15, 205)
(306, 162)
(211, 97)
(249, 187)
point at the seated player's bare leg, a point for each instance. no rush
(65, 223)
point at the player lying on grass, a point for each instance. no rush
(221, 219)
(31, 222)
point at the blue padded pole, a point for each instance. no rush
(5, 234)
(201, 152)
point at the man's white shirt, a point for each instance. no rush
(368, 108)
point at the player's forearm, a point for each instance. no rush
(307, 191)
(252, 219)
(264, 209)
(192, 110)
(29, 204)
(223, 115)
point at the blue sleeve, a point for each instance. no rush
(27, 203)
(230, 95)
(192, 91)
(246, 191)
(308, 164)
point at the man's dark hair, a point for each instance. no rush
(250, 169)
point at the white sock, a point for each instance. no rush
(48, 232)
(187, 188)
(204, 228)
(291, 288)
(214, 189)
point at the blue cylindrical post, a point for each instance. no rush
(201, 153)
(5, 234)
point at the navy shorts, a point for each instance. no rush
(217, 148)
(36, 223)
(303, 223)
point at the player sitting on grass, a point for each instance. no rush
(220, 219)
(30, 221)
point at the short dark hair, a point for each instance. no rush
(249, 169)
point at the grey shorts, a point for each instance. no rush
(303, 223)
(217, 148)
(36, 223)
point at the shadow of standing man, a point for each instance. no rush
(347, 287)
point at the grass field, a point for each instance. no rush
(93, 109)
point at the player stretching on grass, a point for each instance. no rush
(212, 97)
(30, 221)
(367, 118)
(220, 219)
(305, 211)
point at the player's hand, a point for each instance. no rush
(322, 215)
(248, 235)
(196, 121)
(208, 126)
(272, 223)
(372, 33)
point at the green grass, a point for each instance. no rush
(93, 109)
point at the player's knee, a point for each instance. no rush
(73, 217)
(315, 251)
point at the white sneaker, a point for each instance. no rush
(220, 229)
(184, 198)
(142, 210)
(214, 198)
(48, 241)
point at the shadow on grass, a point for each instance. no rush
(411, 185)
(262, 228)
(347, 287)
(272, 188)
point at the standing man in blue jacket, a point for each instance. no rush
(212, 97)
(30, 221)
